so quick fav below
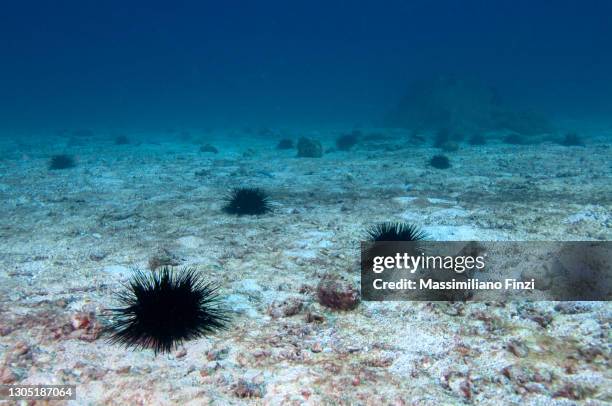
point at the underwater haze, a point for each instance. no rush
(190, 192)
(197, 64)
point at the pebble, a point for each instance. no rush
(337, 294)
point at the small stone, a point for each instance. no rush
(573, 308)
(316, 348)
(337, 294)
(309, 148)
(123, 370)
(246, 389)
(97, 255)
(590, 353)
(314, 318)
(5, 330)
(161, 258)
(287, 308)
(518, 348)
(80, 320)
(209, 148)
(21, 348)
(180, 353)
(7, 376)
(216, 355)
(573, 391)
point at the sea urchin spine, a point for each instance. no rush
(393, 232)
(247, 201)
(390, 239)
(161, 310)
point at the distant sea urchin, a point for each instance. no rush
(61, 161)
(247, 201)
(440, 162)
(160, 310)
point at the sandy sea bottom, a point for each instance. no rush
(68, 238)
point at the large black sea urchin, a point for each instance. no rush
(395, 232)
(161, 310)
(247, 201)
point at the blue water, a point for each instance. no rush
(257, 143)
(151, 65)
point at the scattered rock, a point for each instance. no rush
(286, 308)
(590, 353)
(80, 326)
(246, 389)
(314, 318)
(209, 148)
(21, 348)
(216, 355)
(80, 320)
(337, 294)
(309, 148)
(5, 330)
(536, 315)
(97, 255)
(316, 347)
(7, 376)
(123, 370)
(122, 140)
(573, 307)
(518, 348)
(573, 391)
(346, 141)
(163, 257)
(572, 140)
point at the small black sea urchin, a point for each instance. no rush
(61, 161)
(440, 162)
(347, 141)
(247, 201)
(285, 143)
(395, 232)
(160, 310)
(572, 140)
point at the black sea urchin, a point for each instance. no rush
(388, 239)
(347, 141)
(160, 310)
(285, 143)
(440, 162)
(395, 232)
(572, 140)
(61, 161)
(247, 201)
